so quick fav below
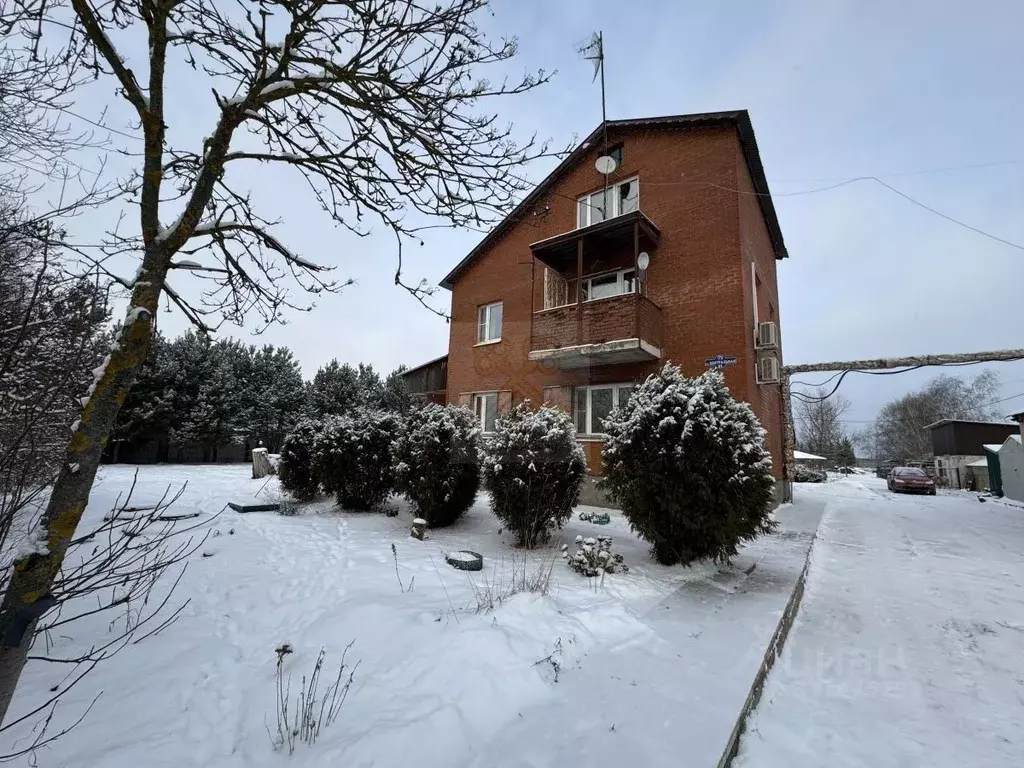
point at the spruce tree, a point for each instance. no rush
(335, 390)
(148, 410)
(845, 456)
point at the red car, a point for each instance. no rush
(910, 480)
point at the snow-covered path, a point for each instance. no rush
(908, 649)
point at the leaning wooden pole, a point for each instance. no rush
(878, 364)
(788, 440)
(883, 363)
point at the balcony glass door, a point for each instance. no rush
(621, 197)
(611, 284)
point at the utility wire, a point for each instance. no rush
(838, 184)
(960, 414)
(949, 218)
(898, 174)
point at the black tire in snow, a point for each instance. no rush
(465, 560)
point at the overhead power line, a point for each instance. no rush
(961, 414)
(876, 179)
(950, 218)
(842, 182)
(898, 174)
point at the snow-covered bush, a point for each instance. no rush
(593, 556)
(437, 463)
(597, 518)
(688, 466)
(533, 468)
(295, 465)
(353, 457)
(805, 474)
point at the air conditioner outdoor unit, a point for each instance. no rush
(767, 335)
(768, 370)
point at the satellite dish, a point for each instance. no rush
(643, 261)
(606, 164)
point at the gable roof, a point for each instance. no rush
(740, 119)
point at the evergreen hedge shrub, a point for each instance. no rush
(437, 462)
(534, 468)
(353, 457)
(295, 465)
(689, 467)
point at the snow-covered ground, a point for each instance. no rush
(908, 649)
(654, 664)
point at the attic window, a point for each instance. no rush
(622, 197)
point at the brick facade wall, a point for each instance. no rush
(648, 321)
(762, 282)
(698, 278)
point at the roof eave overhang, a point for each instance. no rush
(740, 119)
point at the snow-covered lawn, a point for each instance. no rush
(909, 646)
(654, 664)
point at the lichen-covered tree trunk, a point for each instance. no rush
(788, 439)
(28, 594)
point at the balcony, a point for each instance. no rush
(617, 329)
(630, 232)
(592, 306)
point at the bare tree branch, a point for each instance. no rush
(375, 104)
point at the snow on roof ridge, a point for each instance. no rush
(805, 455)
(940, 422)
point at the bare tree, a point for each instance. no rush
(124, 571)
(51, 336)
(373, 103)
(899, 430)
(819, 419)
(34, 142)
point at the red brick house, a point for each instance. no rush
(555, 305)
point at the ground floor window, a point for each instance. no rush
(485, 406)
(593, 404)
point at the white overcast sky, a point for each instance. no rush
(836, 89)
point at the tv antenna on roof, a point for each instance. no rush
(594, 51)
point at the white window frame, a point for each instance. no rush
(620, 284)
(588, 390)
(480, 409)
(483, 322)
(616, 202)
